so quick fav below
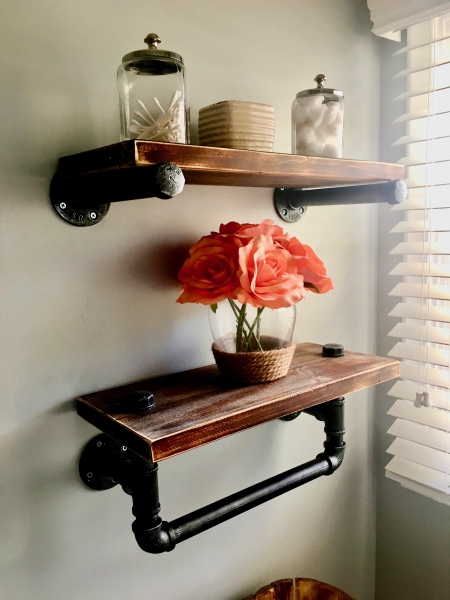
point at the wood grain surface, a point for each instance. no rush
(203, 165)
(299, 589)
(199, 406)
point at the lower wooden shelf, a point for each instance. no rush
(196, 407)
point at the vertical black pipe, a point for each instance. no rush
(332, 414)
(151, 532)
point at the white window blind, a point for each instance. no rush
(421, 448)
(389, 17)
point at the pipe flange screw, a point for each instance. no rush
(93, 215)
(89, 475)
(63, 206)
(99, 444)
(123, 448)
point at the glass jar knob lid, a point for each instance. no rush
(320, 78)
(152, 61)
(152, 41)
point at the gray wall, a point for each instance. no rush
(87, 309)
(413, 532)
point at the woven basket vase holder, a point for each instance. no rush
(254, 367)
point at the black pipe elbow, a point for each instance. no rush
(156, 540)
(334, 458)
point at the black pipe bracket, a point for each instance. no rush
(291, 204)
(105, 463)
(77, 199)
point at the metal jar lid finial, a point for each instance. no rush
(320, 78)
(152, 60)
(320, 89)
(152, 41)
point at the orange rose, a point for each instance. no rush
(233, 227)
(247, 231)
(308, 263)
(210, 274)
(310, 266)
(268, 275)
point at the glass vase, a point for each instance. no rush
(252, 345)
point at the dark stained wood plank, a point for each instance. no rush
(113, 157)
(265, 593)
(299, 589)
(203, 165)
(284, 589)
(199, 406)
(310, 589)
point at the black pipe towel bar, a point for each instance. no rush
(105, 463)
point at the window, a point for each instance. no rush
(421, 448)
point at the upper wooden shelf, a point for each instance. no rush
(198, 406)
(203, 165)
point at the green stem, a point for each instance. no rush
(237, 313)
(256, 337)
(234, 307)
(240, 327)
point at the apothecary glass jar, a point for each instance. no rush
(318, 121)
(152, 95)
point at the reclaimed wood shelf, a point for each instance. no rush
(196, 407)
(203, 165)
(86, 183)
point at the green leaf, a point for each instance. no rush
(214, 307)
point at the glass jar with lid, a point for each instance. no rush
(318, 121)
(152, 95)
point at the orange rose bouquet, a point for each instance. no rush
(254, 267)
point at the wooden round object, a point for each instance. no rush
(254, 367)
(300, 589)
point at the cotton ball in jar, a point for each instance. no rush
(315, 101)
(305, 135)
(331, 151)
(322, 134)
(332, 113)
(316, 115)
(315, 149)
(332, 132)
(300, 113)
